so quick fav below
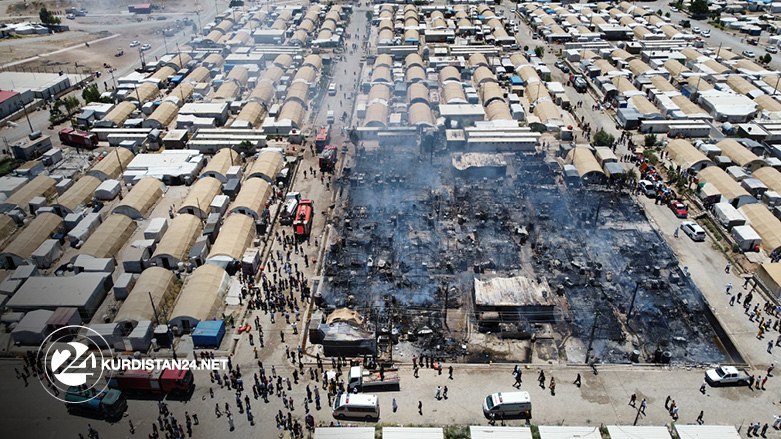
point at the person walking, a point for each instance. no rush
(727, 267)
(552, 386)
(420, 408)
(395, 405)
(699, 417)
(732, 301)
(770, 369)
(702, 387)
(633, 399)
(728, 287)
(541, 379)
(643, 405)
(450, 372)
(438, 393)
(444, 392)
(577, 381)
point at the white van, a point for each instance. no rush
(332, 89)
(507, 405)
(356, 406)
(329, 116)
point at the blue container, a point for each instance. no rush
(208, 334)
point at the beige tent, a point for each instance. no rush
(109, 238)
(182, 93)
(219, 164)
(491, 91)
(453, 93)
(584, 161)
(376, 115)
(698, 83)
(624, 86)
(716, 66)
(143, 92)
(293, 111)
(252, 113)
(691, 54)
(483, 74)
(162, 74)
(283, 60)
(688, 107)
(478, 59)
(771, 177)
(383, 60)
(687, 156)
(238, 74)
(200, 196)
(638, 67)
(675, 68)
(773, 81)
(29, 239)
(766, 225)
(267, 166)
(768, 103)
(528, 74)
(175, 244)
(298, 91)
(201, 297)
(381, 73)
(620, 54)
(263, 92)
(120, 113)
(739, 154)
(604, 66)
(723, 183)
(641, 32)
(414, 74)
(548, 112)
(417, 92)
(307, 74)
(213, 59)
(252, 198)
(643, 105)
(449, 73)
(381, 92)
(79, 194)
(740, 85)
(163, 115)
(113, 164)
(414, 59)
(7, 228)
(662, 84)
(236, 234)
(420, 114)
(40, 186)
(228, 91)
(273, 74)
(498, 110)
(139, 201)
(154, 288)
(725, 54)
(748, 65)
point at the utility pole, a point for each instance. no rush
(591, 336)
(632, 303)
(27, 116)
(154, 308)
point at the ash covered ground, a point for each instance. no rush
(410, 234)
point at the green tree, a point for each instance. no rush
(698, 7)
(91, 94)
(539, 51)
(47, 17)
(650, 140)
(71, 103)
(767, 58)
(603, 138)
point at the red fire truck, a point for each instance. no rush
(305, 214)
(322, 138)
(81, 139)
(148, 381)
(328, 159)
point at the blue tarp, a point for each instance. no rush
(516, 80)
(208, 334)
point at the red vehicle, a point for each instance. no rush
(322, 138)
(154, 381)
(679, 209)
(305, 214)
(328, 159)
(79, 139)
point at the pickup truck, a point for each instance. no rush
(289, 208)
(726, 376)
(364, 380)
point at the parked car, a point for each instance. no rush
(772, 49)
(693, 230)
(580, 84)
(146, 47)
(648, 188)
(749, 53)
(696, 29)
(727, 376)
(705, 33)
(561, 66)
(70, 17)
(673, 9)
(135, 43)
(679, 209)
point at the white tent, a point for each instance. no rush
(46, 253)
(31, 330)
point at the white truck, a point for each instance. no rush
(727, 376)
(364, 380)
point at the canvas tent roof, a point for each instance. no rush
(79, 194)
(293, 111)
(236, 234)
(376, 115)
(182, 232)
(674, 67)
(107, 240)
(770, 176)
(768, 103)
(726, 186)
(766, 225)
(738, 153)
(267, 166)
(111, 166)
(40, 186)
(119, 114)
(33, 235)
(643, 105)
(201, 194)
(139, 201)
(687, 106)
(253, 196)
(740, 84)
(420, 114)
(156, 282)
(201, 293)
(584, 161)
(222, 161)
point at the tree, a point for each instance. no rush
(71, 103)
(603, 138)
(91, 94)
(698, 7)
(48, 17)
(767, 58)
(650, 140)
(539, 51)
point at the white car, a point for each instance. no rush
(772, 49)
(693, 230)
(673, 9)
(696, 29)
(146, 47)
(705, 33)
(135, 43)
(749, 53)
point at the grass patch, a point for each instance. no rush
(8, 165)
